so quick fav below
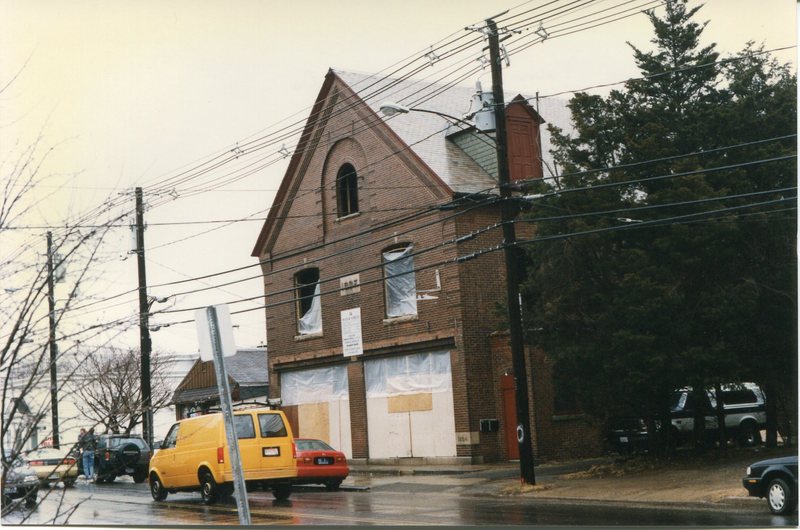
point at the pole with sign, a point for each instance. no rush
(215, 335)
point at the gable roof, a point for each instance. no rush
(246, 370)
(425, 134)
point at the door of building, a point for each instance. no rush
(510, 416)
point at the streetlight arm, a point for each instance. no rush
(390, 108)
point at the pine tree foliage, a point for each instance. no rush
(683, 280)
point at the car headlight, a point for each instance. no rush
(748, 471)
(30, 479)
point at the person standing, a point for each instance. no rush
(87, 443)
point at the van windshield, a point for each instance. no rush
(271, 425)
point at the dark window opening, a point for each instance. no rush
(309, 315)
(346, 190)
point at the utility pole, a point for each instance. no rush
(508, 213)
(144, 331)
(51, 303)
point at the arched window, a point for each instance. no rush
(346, 190)
(309, 308)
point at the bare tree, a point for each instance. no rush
(108, 389)
(26, 356)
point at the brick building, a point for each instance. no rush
(389, 226)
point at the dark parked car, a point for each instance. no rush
(20, 482)
(121, 454)
(776, 480)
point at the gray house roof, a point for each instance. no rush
(247, 370)
(427, 134)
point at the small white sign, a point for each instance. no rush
(225, 332)
(351, 332)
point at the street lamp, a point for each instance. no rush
(389, 109)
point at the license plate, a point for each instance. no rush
(271, 451)
(11, 489)
(54, 476)
(129, 470)
(323, 460)
(623, 439)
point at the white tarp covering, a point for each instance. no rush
(410, 406)
(312, 386)
(408, 374)
(311, 322)
(401, 283)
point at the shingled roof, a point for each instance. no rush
(427, 134)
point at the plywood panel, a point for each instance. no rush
(410, 403)
(314, 421)
(389, 434)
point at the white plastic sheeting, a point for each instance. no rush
(401, 283)
(410, 409)
(408, 374)
(322, 402)
(311, 322)
(314, 385)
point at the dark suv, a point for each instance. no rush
(121, 454)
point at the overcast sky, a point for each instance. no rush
(132, 92)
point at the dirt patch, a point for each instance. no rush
(687, 477)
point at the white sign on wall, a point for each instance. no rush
(351, 332)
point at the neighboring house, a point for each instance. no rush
(396, 218)
(247, 378)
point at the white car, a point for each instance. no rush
(53, 466)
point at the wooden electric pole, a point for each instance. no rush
(51, 303)
(508, 213)
(144, 329)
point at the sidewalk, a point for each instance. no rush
(713, 481)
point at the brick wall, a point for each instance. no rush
(556, 437)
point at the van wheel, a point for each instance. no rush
(282, 491)
(157, 489)
(208, 488)
(749, 435)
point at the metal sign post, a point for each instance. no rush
(227, 410)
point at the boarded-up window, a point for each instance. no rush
(400, 282)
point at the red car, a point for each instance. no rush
(319, 463)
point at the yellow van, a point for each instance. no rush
(194, 455)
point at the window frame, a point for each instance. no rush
(305, 294)
(346, 191)
(406, 246)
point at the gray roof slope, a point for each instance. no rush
(248, 367)
(426, 133)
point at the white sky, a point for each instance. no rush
(132, 91)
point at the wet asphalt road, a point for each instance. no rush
(393, 501)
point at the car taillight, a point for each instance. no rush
(294, 450)
(340, 459)
(220, 455)
(36, 463)
(69, 461)
(108, 456)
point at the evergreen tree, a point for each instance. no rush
(672, 280)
